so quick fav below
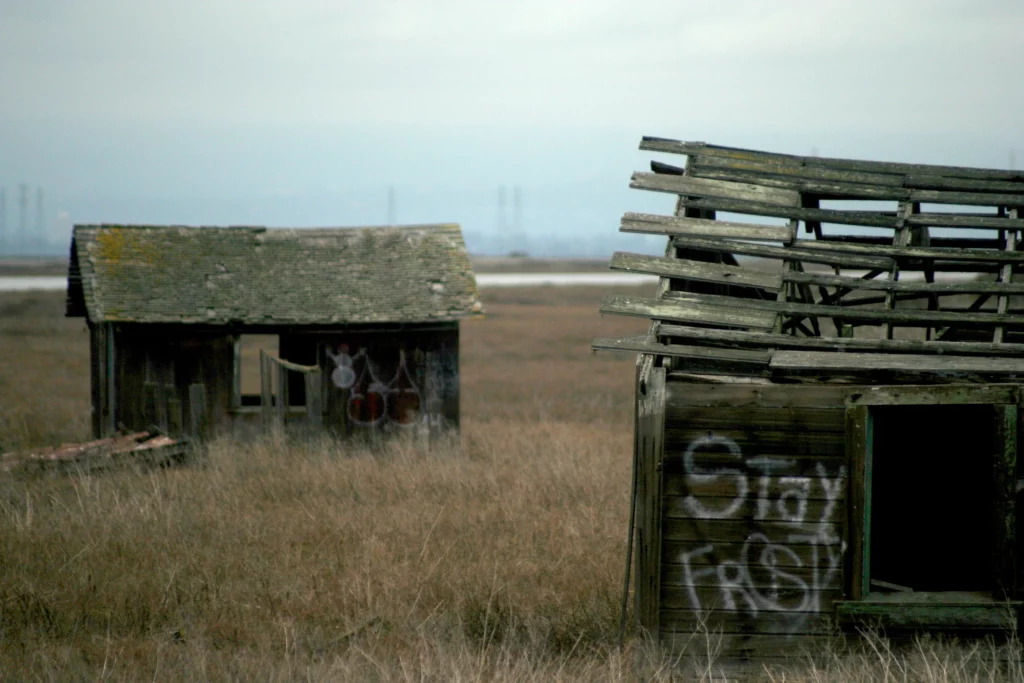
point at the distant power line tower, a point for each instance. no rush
(40, 230)
(518, 231)
(22, 211)
(502, 223)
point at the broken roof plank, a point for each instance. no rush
(970, 287)
(728, 357)
(832, 189)
(817, 361)
(785, 253)
(955, 220)
(743, 170)
(689, 311)
(703, 227)
(785, 341)
(904, 317)
(699, 271)
(909, 252)
(704, 165)
(656, 144)
(871, 219)
(700, 187)
(826, 181)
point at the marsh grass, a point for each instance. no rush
(495, 557)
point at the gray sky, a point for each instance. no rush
(303, 112)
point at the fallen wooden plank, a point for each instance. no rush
(688, 311)
(699, 271)
(784, 341)
(139, 447)
(818, 361)
(700, 187)
(833, 257)
(703, 227)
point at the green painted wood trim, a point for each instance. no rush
(868, 455)
(934, 395)
(1004, 495)
(995, 616)
(856, 450)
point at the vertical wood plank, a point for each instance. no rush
(858, 456)
(656, 439)
(236, 373)
(266, 390)
(314, 405)
(98, 385)
(1004, 513)
(150, 400)
(174, 411)
(282, 392)
(197, 417)
(110, 425)
(1005, 274)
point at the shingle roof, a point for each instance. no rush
(210, 275)
(900, 268)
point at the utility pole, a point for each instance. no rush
(41, 235)
(517, 219)
(23, 212)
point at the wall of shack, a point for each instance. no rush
(753, 501)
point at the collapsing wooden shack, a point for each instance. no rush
(828, 398)
(366, 322)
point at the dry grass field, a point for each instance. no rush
(499, 557)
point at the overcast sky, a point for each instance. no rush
(303, 112)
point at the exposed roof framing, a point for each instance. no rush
(256, 276)
(826, 268)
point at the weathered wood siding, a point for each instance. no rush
(753, 515)
(173, 378)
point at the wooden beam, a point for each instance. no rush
(655, 144)
(817, 361)
(699, 271)
(834, 257)
(744, 338)
(700, 187)
(702, 227)
(688, 311)
(939, 288)
(727, 357)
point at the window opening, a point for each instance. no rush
(931, 490)
(247, 372)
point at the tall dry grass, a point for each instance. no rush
(495, 557)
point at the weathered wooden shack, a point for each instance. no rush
(366, 319)
(828, 399)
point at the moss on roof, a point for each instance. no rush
(210, 275)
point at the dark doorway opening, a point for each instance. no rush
(931, 498)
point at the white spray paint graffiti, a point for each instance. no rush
(767, 576)
(372, 402)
